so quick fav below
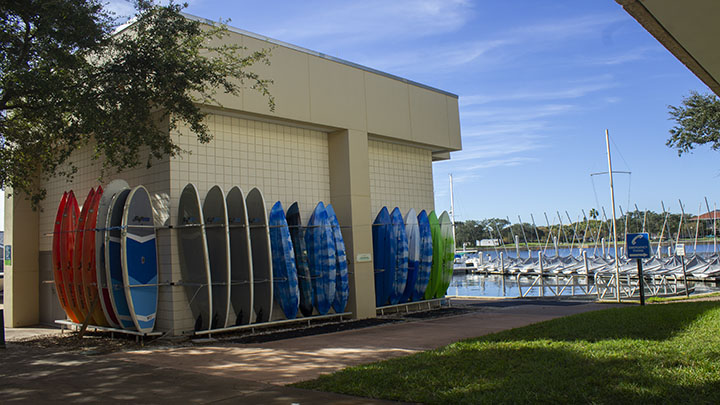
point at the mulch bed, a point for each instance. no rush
(99, 343)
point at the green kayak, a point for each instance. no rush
(448, 253)
(437, 263)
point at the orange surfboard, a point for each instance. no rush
(67, 244)
(89, 273)
(57, 242)
(77, 258)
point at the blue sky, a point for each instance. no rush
(538, 81)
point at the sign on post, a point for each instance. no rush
(638, 245)
(680, 249)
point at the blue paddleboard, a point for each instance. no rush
(380, 232)
(400, 264)
(321, 258)
(113, 259)
(341, 268)
(426, 256)
(139, 259)
(286, 291)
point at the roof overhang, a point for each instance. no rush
(688, 29)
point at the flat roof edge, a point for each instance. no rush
(319, 55)
(647, 20)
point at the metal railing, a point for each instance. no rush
(556, 285)
(654, 285)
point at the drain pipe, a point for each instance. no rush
(2, 328)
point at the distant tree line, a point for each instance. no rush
(589, 229)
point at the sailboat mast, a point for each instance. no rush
(682, 216)
(697, 228)
(452, 207)
(614, 228)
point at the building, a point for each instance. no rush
(688, 29)
(341, 133)
(708, 216)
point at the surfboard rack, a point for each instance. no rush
(112, 331)
(437, 302)
(263, 325)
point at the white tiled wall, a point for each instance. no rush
(400, 176)
(286, 163)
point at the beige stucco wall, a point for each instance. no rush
(322, 90)
(22, 275)
(400, 176)
(688, 29)
(694, 25)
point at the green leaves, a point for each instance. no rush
(67, 79)
(698, 123)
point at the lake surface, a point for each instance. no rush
(495, 285)
(551, 251)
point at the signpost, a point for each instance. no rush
(680, 251)
(638, 247)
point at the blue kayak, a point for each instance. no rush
(285, 279)
(342, 290)
(380, 231)
(400, 262)
(321, 258)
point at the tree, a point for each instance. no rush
(593, 213)
(69, 76)
(698, 122)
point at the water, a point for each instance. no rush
(591, 251)
(495, 285)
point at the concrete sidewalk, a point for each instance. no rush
(248, 373)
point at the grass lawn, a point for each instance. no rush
(657, 353)
(682, 298)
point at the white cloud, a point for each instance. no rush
(497, 147)
(439, 58)
(514, 114)
(506, 162)
(121, 8)
(566, 28)
(632, 55)
(495, 50)
(366, 21)
(556, 91)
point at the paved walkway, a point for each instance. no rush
(251, 373)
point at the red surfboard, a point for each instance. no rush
(77, 258)
(67, 244)
(57, 264)
(89, 273)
